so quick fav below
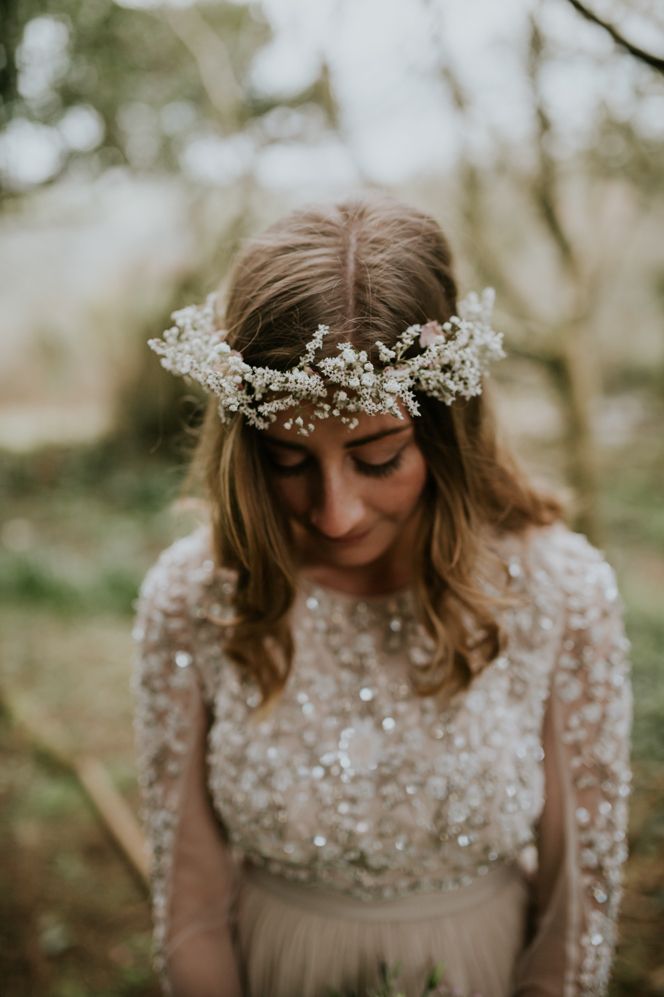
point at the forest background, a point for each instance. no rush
(140, 142)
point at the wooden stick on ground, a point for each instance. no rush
(46, 736)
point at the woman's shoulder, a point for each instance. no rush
(182, 574)
(180, 593)
(555, 557)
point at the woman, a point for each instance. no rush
(385, 675)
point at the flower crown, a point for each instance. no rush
(454, 356)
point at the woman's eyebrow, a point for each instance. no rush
(273, 441)
(376, 436)
(287, 445)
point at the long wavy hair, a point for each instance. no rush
(368, 268)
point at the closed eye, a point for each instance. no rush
(370, 470)
(380, 470)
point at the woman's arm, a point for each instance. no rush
(193, 878)
(583, 827)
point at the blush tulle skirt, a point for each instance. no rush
(297, 941)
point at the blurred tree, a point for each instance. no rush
(150, 90)
(130, 72)
(9, 19)
(154, 410)
(643, 55)
(540, 187)
(111, 85)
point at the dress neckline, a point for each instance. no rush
(309, 587)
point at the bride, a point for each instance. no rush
(383, 701)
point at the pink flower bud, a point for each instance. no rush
(429, 333)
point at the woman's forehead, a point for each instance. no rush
(333, 432)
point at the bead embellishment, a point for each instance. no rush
(353, 782)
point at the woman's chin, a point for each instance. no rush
(359, 552)
(353, 554)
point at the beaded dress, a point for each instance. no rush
(358, 821)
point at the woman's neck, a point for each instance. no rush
(392, 571)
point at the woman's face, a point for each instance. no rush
(352, 496)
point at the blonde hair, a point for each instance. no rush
(368, 268)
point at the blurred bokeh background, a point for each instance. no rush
(140, 142)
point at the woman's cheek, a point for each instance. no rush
(412, 478)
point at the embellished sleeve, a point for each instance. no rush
(582, 833)
(192, 874)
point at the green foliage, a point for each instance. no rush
(388, 985)
(646, 629)
(55, 476)
(635, 508)
(52, 797)
(28, 579)
(87, 517)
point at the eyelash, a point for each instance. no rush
(370, 470)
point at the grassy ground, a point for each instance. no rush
(76, 540)
(79, 531)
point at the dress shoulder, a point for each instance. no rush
(567, 563)
(185, 577)
(571, 551)
(180, 593)
(171, 581)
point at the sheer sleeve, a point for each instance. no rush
(582, 841)
(192, 875)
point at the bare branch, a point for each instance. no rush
(654, 61)
(486, 261)
(544, 186)
(574, 374)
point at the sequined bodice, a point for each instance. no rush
(356, 782)
(353, 782)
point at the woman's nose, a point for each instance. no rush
(337, 509)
